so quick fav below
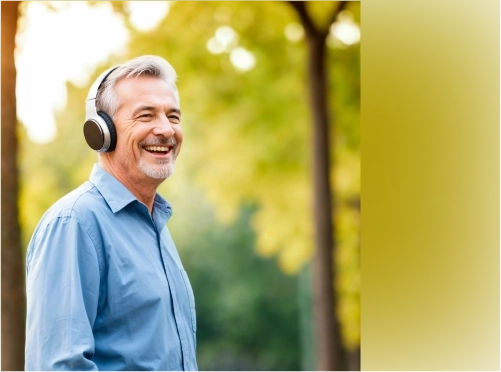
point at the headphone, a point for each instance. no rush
(99, 130)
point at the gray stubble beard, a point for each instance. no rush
(164, 168)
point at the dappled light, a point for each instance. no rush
(294, 32)
(346, 29)
(242, 59)
(146, 15)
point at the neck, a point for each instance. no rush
(143, 188)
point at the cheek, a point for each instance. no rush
(129, 140)
(179, 135)
(123, 144)
(179, 138)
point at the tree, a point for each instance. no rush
(329, 350)
(13, 307)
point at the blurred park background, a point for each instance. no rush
(257, 81)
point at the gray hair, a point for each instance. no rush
(107, 100)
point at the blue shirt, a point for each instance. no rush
(106, 289)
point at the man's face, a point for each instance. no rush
(148, 124)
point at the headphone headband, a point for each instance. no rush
(90, 104)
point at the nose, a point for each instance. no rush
(163, 127)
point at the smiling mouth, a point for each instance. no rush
(163, 150)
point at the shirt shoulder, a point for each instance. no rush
(79, 204)
(83, 208)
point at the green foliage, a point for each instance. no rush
(247, 310)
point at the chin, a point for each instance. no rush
(159, 172)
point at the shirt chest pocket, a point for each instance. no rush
(191, 299)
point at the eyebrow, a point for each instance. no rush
(153, 108)
(176, 110)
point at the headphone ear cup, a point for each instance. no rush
(111, 128)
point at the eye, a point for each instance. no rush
(146, 116)
(174, 119)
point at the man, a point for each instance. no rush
(106, 289)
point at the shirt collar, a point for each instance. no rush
(118, 196)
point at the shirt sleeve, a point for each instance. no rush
(62, 288)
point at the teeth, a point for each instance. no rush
(156, 148)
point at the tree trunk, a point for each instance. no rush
(353, 359)
(329, 350)
(13, 295)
